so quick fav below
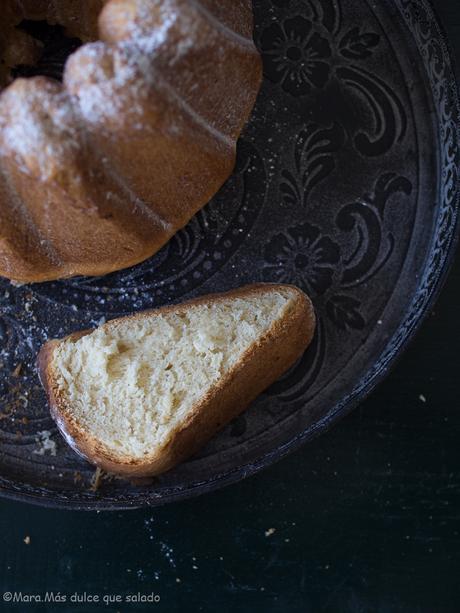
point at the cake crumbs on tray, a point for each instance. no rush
(17, 371)
(45, 443)
(96, 479)
(101, 475)
(270, 531)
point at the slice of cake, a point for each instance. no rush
(141, 393)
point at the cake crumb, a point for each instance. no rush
(422, 398)
(270, 531)
(17, 371)
(27, 540)
(96, 479)
(45, 443)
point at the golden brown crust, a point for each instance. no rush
(263, 364)
(148, 135)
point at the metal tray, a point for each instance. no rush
(346, 185)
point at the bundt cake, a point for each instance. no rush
(97, 173)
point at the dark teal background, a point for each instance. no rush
(364, 519)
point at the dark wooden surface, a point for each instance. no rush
(364, 519)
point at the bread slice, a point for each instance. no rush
(139, 394)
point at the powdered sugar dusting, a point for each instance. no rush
(98, 75)
(38, 127)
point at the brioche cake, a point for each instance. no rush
(98, 172)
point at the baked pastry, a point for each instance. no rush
(140, 394)
(98, 173)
